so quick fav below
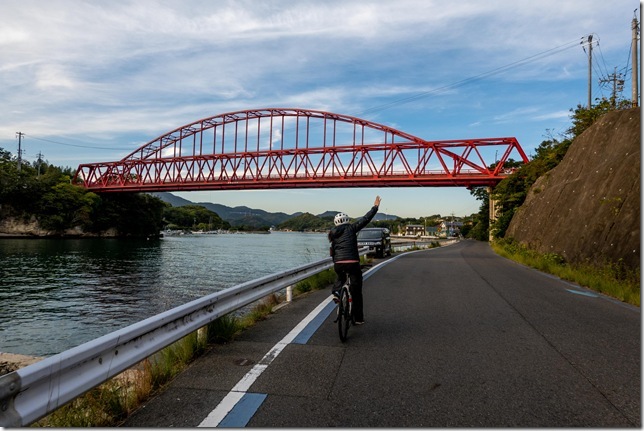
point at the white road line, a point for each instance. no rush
(229, 402)
(237, 392)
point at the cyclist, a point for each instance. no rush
(346, 259)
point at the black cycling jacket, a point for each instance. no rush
(344, 238)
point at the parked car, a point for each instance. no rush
(377, 239)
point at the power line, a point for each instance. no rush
(603, 61)
(382, 107)
(617, 81)
(475, 78)
(93, 147)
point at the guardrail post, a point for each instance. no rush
(289, 293)
(9, 388)
(202, 335)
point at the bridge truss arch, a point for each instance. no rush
(276, 148)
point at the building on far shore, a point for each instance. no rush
(414, 230)
(450, 228)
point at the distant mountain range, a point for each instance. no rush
(247, 216)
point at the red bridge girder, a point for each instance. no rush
(293, 148)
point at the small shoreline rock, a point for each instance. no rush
(10, 362)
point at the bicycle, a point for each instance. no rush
(344, 317)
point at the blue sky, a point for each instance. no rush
(90, 81)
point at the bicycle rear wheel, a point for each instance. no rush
(344, 315)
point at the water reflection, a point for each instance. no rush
(55, 294)
(48, 288)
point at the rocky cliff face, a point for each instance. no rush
(587, 209)
(13, 227)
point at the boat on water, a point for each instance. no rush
(171, 232)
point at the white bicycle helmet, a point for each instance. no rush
(340, 218)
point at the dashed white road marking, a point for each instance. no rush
(239, 390)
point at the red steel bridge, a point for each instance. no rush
(277, 148)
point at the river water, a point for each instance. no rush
(58, 293)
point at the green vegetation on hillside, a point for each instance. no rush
(615, 279)
(250, 223)
(42, 193)
(307, 222)
(612, 279)
(512, 191)
(45, 194)
(193, 217)
(310, 223)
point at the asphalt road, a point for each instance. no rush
(455, 337)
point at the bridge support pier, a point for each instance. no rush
(493, 211)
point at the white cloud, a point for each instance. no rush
(52, 76)
(557, 115)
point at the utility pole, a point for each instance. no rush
(493, 212)
(590, 70)
(635, 76)
(618, 85)
(19, 135)
(39, 161)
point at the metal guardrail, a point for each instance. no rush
(37, 390)
(420, 244)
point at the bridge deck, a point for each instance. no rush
(294, 148)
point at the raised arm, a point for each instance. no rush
(363, 221)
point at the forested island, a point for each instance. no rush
(39, 199)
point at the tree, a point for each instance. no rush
(306, 222)
(193, 217)
(481, 221)
(65, 206)
(9, 177)
(584, 117)
(131, 214)
(48, 194)
(512, 191)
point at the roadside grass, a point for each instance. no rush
(318, 281)
(109, 404)
(423, 246)
(433, 244)
(612, 279)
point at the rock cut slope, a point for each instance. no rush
(587, 209)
